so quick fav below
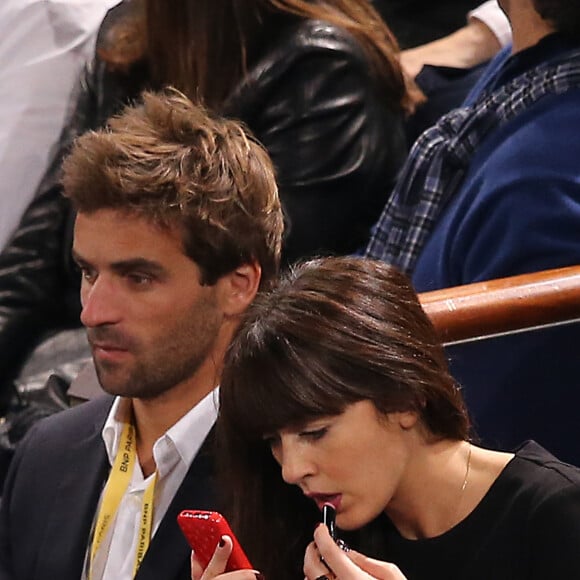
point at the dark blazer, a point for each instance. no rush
(51, 496)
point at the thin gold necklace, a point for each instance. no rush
(456, 518)
(467, 469)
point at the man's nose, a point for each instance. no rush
(101, 303)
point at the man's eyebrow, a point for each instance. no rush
(77, 258)
(122, 266)
(137, 264)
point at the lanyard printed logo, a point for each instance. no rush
(115, 488)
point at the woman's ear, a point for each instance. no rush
(237, 290)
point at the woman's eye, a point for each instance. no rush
(314, 434)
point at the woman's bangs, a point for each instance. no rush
(272, 392)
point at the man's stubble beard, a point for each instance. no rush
(175, 357)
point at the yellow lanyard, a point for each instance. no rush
(117, 484)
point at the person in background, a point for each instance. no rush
(178, 225)
(487, 31)
(446, 69)
(318, 83)
(336, 390)
(418, 22)
(43, 46)
(492, 190)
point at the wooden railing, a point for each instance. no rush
(506, 305)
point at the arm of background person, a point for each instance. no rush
(43, 45)
(486, 32)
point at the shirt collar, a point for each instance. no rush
(180, 443)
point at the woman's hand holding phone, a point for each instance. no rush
(216, 568)
(215, 549)
(325, 560)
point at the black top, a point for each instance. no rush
(526, 527)
(415, 22)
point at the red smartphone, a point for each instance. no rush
(203, 530)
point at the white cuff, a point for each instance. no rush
(493, 17)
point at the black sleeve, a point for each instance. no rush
(7, 555)
(555, 546)
(335, 143)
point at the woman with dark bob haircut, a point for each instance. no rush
(336, 391)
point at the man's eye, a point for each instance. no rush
(88, 274)
(139, 279)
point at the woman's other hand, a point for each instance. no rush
(324, 558)
(217, 565)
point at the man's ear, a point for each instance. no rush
(238, 289)
(407, 419)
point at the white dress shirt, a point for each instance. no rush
(43, 44)
(173, 452)
(494, 18)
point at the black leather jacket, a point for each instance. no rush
(312, 102)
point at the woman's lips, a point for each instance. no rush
(321, 498)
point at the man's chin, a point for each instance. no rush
(114, 382)
(124, 384)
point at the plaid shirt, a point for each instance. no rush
(440, 158)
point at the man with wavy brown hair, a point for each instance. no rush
(178, 225)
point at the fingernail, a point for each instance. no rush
(222, 542)
(260, 576)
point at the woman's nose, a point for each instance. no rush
(295, 464)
